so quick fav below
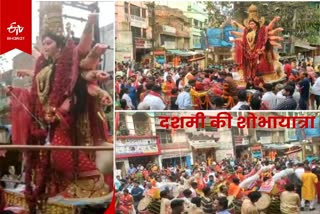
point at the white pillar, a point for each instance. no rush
(160, 161)
(191, 158)
(126, 164)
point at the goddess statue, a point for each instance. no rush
(64, 107)
(254, 45)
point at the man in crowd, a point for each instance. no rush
(308, 191)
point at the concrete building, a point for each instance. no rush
(132, 31)
(136, 142)
(182, 146)
(197, 18)
(175, 147)
(171, 35)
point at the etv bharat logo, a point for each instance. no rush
(15, 28)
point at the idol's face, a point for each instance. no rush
(252, 25)
(50, 48)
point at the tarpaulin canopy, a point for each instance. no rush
(281, 146)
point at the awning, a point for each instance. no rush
(204, 145)
(196, 59)
(305, 46)
(174, 155)
(280, 146)
(179, 53)
(293, 151)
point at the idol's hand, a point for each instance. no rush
(66, 105)
(106, 99)
(8, 89)
(24, 73)
(277, 18)
(93, 18)
(50, 117)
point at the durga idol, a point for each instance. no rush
(254, 47)
(64, 107)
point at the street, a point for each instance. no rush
(317, 211)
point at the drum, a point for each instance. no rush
(237, 206)
(234, 205)
(274, 207)
(230, 199)
(144, 203)
(264, 202)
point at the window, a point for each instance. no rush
(144, 33)
(134, 10)
(261, 133)
(237, 131)
(207, 128)
(196, 41)
(136, 32)
(144, 13)
(126, 7)
(167, 38)
(123, 129)
(141, 124)
(196, 22)
(165, 136)
(190, 21)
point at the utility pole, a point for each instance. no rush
(294, 24)
(152, 14)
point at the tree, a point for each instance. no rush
(216, 15)
(299, 19)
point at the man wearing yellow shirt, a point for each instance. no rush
(308, 190)
(196, 96)
(190, 75)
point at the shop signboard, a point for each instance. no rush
(137, 21)
(160, 59)
(256, 152)
(136, 146)
(169, 29)
(142, 43)
(169, 45)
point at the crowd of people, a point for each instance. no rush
(229, 186)
(189, 87)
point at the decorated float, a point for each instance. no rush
(254, 52)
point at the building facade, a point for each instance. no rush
(197, 18)
(168, 147)
(132, 31)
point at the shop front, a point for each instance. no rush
(204, 151)
(256, 151)
(294, 153)
(241, 147)
(159, 56)
(142, 47)
(177, 57)
(179, 158)
(136, 150)
(311, 149)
